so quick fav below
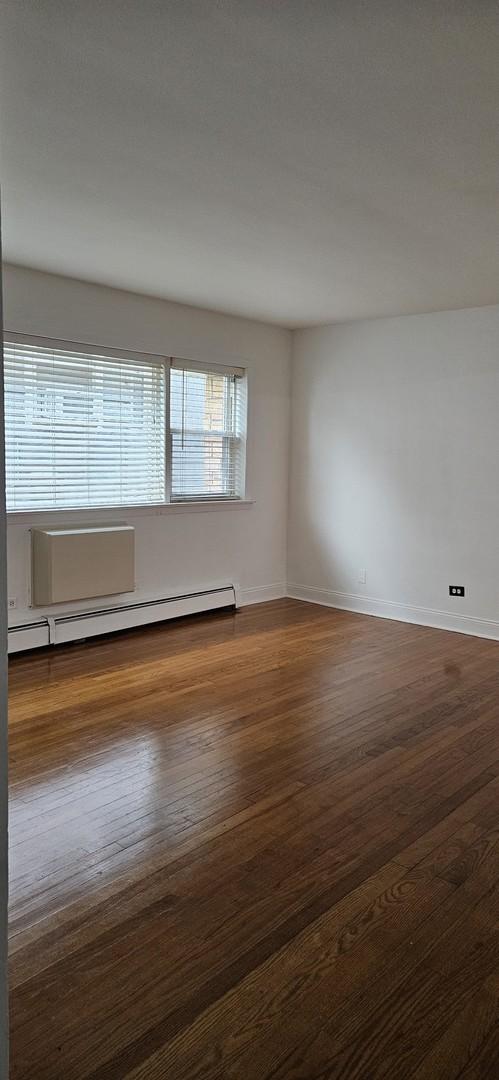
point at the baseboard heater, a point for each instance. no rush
(58, 629)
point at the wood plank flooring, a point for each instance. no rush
(256, 845)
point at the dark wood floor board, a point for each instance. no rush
(410, 1019)
(311, 977)
(321, 1030)
(463, 1042)
(256, 844)
(263, 996)
(484, 1059)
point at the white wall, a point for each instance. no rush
(395, 461)
(176, 551)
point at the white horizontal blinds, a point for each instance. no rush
(82, 429)
(207, 423)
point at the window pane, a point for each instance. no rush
(207, 416)
(82, 430)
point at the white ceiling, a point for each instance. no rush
(297, 161)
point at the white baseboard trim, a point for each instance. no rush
(261, 593)
(388, 609)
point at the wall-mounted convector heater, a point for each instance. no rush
(57, 629)
(81, 562)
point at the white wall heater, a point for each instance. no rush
(58, 629)
(81, 562)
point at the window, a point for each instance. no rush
(207, 414)
(87, 429)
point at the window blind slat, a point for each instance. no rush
(82, 430)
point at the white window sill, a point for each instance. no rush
(101, 513)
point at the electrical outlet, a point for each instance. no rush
(362, 577)
(456, 590)
(12, 603)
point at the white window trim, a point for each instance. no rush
(166, 361)
(93, 513)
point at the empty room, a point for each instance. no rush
(250, 290)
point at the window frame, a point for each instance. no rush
(166, 362)
(227, 370)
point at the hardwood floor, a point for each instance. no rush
(256, 845)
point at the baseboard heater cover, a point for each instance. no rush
(31, 635)
(58, 629)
